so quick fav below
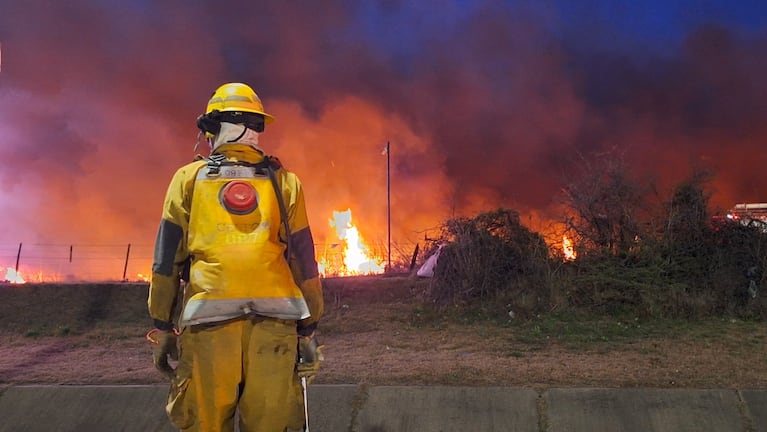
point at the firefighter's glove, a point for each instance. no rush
(309, 357)
(166, 346)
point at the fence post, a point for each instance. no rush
(415, 256)
(125, 269)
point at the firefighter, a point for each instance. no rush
(235, 250)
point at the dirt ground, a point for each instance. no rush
(376, 332)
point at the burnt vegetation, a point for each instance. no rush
(638, 254)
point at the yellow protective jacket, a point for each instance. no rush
(236, 260)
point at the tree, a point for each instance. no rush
(604, 207)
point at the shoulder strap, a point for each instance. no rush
(273, 164)
(216, 161)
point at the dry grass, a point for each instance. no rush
(377, 331)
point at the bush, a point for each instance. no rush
(490, 259)
(668, 260)
(691, 268)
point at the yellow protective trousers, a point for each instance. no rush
(246, 364)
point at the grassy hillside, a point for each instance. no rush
(381, 330)
(62, 308)
(55, 309)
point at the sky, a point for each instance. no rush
(485, 104)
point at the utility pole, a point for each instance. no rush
(388, 200)
(18, 256)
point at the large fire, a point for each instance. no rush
(13, 276)
(568, 249)
(355, 256)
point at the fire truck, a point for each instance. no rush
(749, 214)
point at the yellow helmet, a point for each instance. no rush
(237, 97)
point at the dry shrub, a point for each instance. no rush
(690, 268)
(637, 257)
(490, 259)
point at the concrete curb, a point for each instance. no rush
(357, 408)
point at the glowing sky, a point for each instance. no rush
(486, 104)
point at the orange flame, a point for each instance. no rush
(568, 249)
(12, 276)
(356, 259)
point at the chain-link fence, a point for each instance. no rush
(36, 262)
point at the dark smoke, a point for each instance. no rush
(485, 107)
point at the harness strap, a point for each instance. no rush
(283, 210)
